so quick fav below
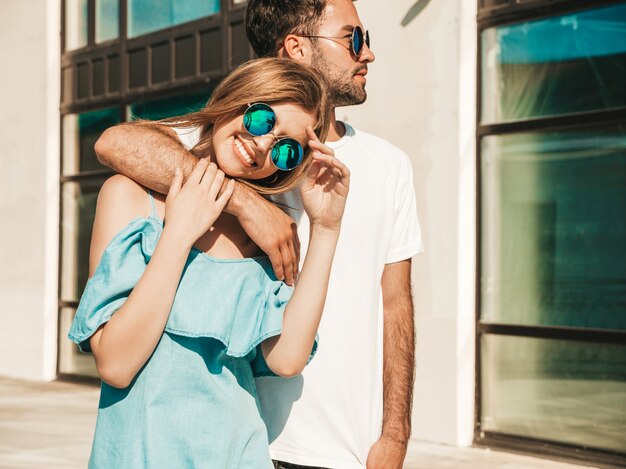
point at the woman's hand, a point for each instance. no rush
(192, 208)
(325, 187)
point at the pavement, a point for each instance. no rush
(50, 425)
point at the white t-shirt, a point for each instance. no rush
(331, 414)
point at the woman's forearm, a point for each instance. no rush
(133, 332)
(288, 353)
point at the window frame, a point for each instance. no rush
(487, 17)
(226, 26)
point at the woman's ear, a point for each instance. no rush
(297, 48)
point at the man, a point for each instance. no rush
(351, 407)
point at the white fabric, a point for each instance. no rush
(331, 414)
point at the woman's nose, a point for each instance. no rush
(264, 142)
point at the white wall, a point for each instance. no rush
(421, 97)
(29, 179)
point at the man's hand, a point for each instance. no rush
(386, 454)
(270, 228)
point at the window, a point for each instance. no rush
(146, 16)
(82, 179)
(107, 20)
(557, 65)
(75, 24)
(552, 147)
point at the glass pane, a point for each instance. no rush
(146, 16)
(569, 392)
(554, 230)
(107, 20)
(79, 207)
(558, 65)
(169, 107)
(80, 133)
(75, 24)
(71, 360)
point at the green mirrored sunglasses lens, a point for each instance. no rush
(259, 119)
(287, 154)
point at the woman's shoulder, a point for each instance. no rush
(121, 186)
(124, 196)
(120, 201)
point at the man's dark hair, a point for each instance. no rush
(268, 22)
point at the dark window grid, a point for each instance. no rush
(202, 76)
(574, 453)
(517, 11)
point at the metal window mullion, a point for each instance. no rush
(87, 176)
(578, 334)
(123, 44)
(552, 123)
(91, 24)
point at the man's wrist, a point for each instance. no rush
(241, 201)
(235, 204)
(399, 433)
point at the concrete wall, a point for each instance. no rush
(29, 179)
(421, 97)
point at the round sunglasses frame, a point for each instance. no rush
(277, 139)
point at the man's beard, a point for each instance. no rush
(342, 87)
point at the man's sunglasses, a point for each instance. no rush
(357, 39)
(260, 119)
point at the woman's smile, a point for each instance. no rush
(245, 154)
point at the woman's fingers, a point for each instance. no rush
(311, 134)
(177, 182)
(198, 171)
(216, 184)
(209, 175)
(315, 144)
(224, 197)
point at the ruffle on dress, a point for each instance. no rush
(236, 301)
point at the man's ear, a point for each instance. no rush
(297, 48)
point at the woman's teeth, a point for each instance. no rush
(244, 153)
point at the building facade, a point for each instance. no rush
(514, 116)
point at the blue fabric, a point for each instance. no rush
(194, 403)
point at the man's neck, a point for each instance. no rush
(336, 130)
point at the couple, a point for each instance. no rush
(186, 397)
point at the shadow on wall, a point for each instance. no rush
(415, 10)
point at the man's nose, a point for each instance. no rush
(366, 55)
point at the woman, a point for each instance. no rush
(179, 314)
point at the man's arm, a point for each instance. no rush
(398, 367)
(150, 153)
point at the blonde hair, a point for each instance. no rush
(268, 80)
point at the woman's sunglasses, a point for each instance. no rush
(260, 119)
(357, 39)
